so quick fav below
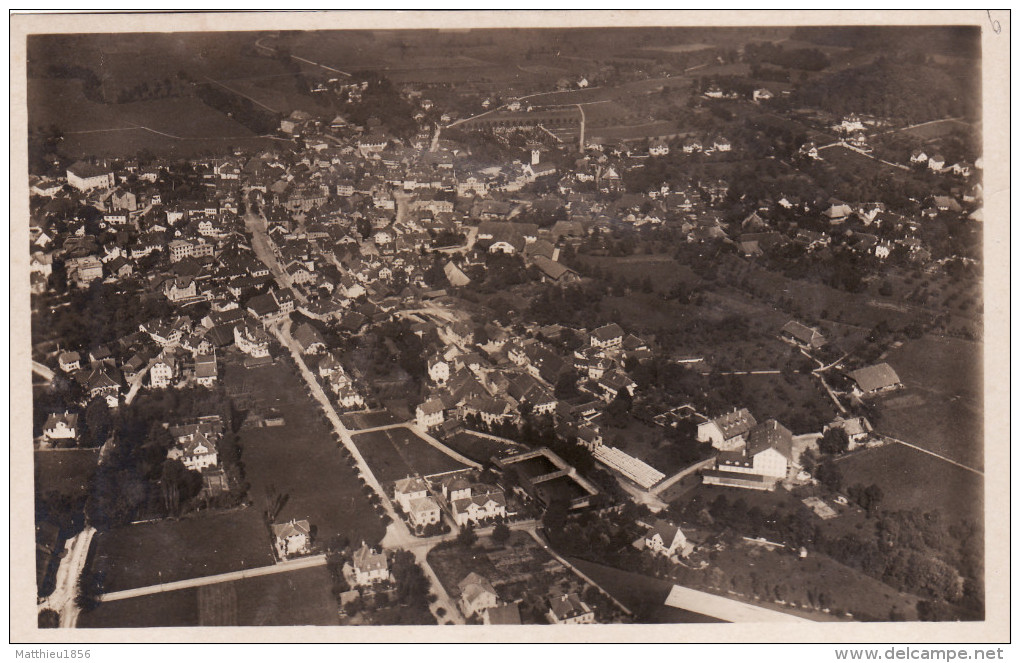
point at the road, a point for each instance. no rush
(43, 371)
(931, 453)
(259, 44)
(282, 567)
(136, 384)
(581, 145)
(397, 534)
(545, 544)
(264, 248)
(62, 600)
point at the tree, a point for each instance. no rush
(467, 537)
(49, 618)
(555, 516)
(834, 442)
(412, 585)
(830, 476)
(98, 423)
(501, 533)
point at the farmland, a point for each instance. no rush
(397, 453)
(941, 407)
(294, 598)
(301, 462)
(169, 550)
(360, 420)
(66, 472)
(910, 479)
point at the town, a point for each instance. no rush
(683, 328)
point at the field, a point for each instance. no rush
(663, 270)
(642, 594)
(938, 129)
(941, 407)
(66, 472)
(176, 126)
(397, 453)
(300, 460)
(479, 449)
(910, 479)
(169, 550)
(295, 598)
(798, 401)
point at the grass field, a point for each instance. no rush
(397, 452)
(301, 461)
(479, 449)
(66, 472)
(208, 544)
(664, 271)
(296, 598)
(910, 479)
(941, 408)
(642, 594)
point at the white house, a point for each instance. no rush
(485, 502)
(85, 177)
(476, 594)
(608, 336)
(205, 369)
(292, 538)
(61, 426)
(570, 609)
(665, 539)
(727, 432)
(439, 370)
(367, 567)
(429, 413)
(408, 489)
(423, 511)
(161, 373)
(69, 361)
(251, 340)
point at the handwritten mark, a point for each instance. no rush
(996, 26)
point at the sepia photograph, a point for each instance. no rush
(528, 322)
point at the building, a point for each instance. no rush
(484, 502)
(407, 490)
(180, 288)
(476, 595)
(570, 609)
(309, 339)
(61, 426)
(162, 372)
(503, 615)
(429, 413)
(69, 361)
(439, 370)
(196, 446)
(760, 465)
(85, 177)
(727, 432)
(368, 566)
(665, 539)
(802, 335)
(423, 512)
(205, 369)
(292, 538)
(608, 336)
(251, 340)
(876, 379)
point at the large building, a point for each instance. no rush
(85, 177)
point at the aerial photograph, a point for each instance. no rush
(510, 326)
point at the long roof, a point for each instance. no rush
(873, 378)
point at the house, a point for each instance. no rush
(85, 176)
(429, 414)
(485, 502)
(720, 144)
(292, 538)
(162, 371)
(456, 488)
(439, 370)
(607, 336)
(503, 615)
(61, 426)
(857, 429)
(368, 567)
(99, 383)
(727, 432)
(761, 94)
(423, 512)
(205, 369)
(936, 162)
(947, 204)
(408, 489)
(69, 361)
(196, 445)
(658, 148)
(665, 539)
(309, 339)
(919, 156)
(251, 340)
(180, 288)
(875, 379)
(554, 272)
(570, 609)
(801, 335)
(476, 595)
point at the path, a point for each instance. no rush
(931, 453)
(136, 384)
(435, 139)
(263, 247)
(62, 599)
(763, 372)
(581, 140)
(259, 44)
(282, 567)
(43, 371)
(425, 436)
